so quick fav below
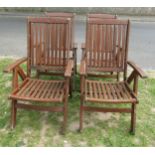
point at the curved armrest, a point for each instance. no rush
(14, 65)
(138, 70)
(83, 68)
(69, 68)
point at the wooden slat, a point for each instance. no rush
(117, 92)
(113, 94)
(59, 93)
(48, 94)
(31, 88)
(121, 91)
(39, 88)
(91, 90)
(53, 91)
(99, 90)
(45, 89)
(22, 90)
(106, 46)
(42, 90)
(126, 91)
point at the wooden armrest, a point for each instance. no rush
(69, 68)
(83, 67)
(83, 46)
(139, 71)
(10, 67)
(74, 46)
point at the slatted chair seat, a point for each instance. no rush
(118, 92)
(40, 90)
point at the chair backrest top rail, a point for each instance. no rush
(107, 21)
(60, 14)
(101, 16)
(47, 20)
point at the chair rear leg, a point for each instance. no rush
(73, 81)
(65, 111)
(71, 87)
(75, 61)
(133, 118)
(37, 74)
(13, 113)
(81, 115)
(118, 76)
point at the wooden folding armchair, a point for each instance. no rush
(73, 45)
(108, 35)
(48, 41)
(99, 16)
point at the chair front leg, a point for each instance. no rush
(133, 77)
(133, 118)
(75, 60)
(81, 114)
(82, 85)
(65, 108)
(13, 113)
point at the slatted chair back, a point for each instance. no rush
(107, 45)
(48, 43)
(101, 16)
(65, 15)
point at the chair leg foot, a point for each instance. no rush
(13, 114)
(62, 131)
(133, 118)
(132, 132)
(80, 130)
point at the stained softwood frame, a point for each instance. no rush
(30, 89)
(94, 91)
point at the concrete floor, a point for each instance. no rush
(13, 39)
